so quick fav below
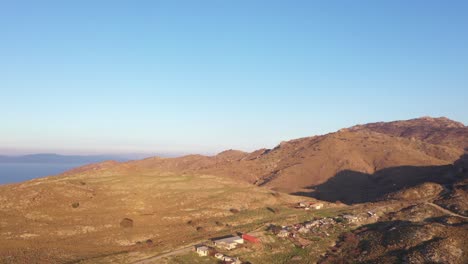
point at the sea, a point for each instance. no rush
(18, 172)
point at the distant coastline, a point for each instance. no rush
(15, 169)
(13, 172)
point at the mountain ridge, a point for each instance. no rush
(299, 164)
(440, 130)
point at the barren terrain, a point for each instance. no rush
(411, 174)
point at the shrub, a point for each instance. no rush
(273, 210)
(149, 242)
(126, 223)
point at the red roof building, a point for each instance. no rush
(250, 238)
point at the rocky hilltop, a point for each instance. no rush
(442, 131)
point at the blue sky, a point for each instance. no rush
(203, 76)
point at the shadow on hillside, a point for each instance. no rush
(351, 187)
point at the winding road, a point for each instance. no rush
(445, 210)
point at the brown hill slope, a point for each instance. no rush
(103, 211)
(345, 161)
(394, 155)
(432, 130)
(171, 201)
(431, 228)
(310, 162)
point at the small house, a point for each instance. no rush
(228, 259)
(283, 233)
(351, 218)
(219, 256)
(229, 242)
(232, 261)
(317, 206)
(203, 251)
(312, 224)
(297, 226)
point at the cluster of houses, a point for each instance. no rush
(225, 243)
(363, 217)
(295, 232)
(317, 227)
(303, 228)
(309, 205)
(204, 251)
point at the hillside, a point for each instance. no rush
(441, 130)
(98, 213)
(354, 159)
(431, 229)
(127, 211)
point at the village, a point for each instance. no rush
(301, 235)
(227, 243)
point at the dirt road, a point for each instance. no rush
(168, 254)
(179, 251)
(445, 210)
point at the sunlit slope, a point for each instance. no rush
(79, 215)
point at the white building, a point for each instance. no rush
(317, 206)
(303, 230)
(229, 242)
(283, 233)
(203, 251)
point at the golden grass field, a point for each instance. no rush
(39, 221)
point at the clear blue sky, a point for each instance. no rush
(203, 76)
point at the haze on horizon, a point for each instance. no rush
(200, 77)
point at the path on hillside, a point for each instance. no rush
(445, 210)
(168, 254)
